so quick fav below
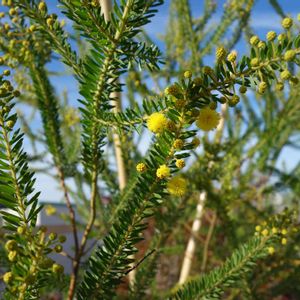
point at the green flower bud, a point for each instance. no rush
(52, 236)
(285, 75)
(222, 100)
(62, 238)
(261, 45)
(294, 81)
(42, 5)
(10, 124)
(254, 40)
(6, 72)
(234, 100)
(11, 245)
(287, 23)
(56, 268)
(289, 55)
(21, 230)
(7, 277)
(187, 74)
(271, 36)
(243, 89)
(221, 54)
(281, 37)
(17, 93)
(262, 87)
(12, 255)
(254, 62)
(58, 248)
(279, 86)
(232, 56)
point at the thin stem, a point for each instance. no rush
(207, 241)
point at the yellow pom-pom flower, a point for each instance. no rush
(157, 122)
(271, 250)
(208, 119)
(163, 171)
(178, 144)
(141, 167)
(180, 163)
(265, 232)
(177, 186)
(284, 241)
(50, 210)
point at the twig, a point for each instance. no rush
(144, 258)
(207, 241)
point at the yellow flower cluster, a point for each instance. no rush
(163, 171)
(177, 186)
(141, 167)
(157, 122)
(208, 119)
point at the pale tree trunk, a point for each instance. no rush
(191, 245)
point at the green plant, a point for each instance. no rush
(151, 188)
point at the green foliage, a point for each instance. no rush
(140, 210)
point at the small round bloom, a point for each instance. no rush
(243, 89)
(21, 230)
(12, 255)
(157, 122)
(289, 55)
(42, 5)
(261, 45)
(234, 100)
(50, 210)
(11, 245)
(254, 62)
(163, 171)
(208, 70)
(52, 236)
(62, 238)
(58, 248)
(7, 277)
(271, 250)
(294, 81)
(284, 241)
(258, 228)
(221, 54)
(279, 86)
(274, 230)
(187, 74)
(284, 231)
(271, 36)
(6, 72)
(178, 144)
(285, 75)
(141, 167)
(56, 268)
(262, 87)
(232, 56)
(173, 90)
(265, 232)
(208, 119)
(287, 23)
(254, 40)
(180, 163)
(177, 186)
(281, 37)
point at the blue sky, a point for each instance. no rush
(263, 19)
